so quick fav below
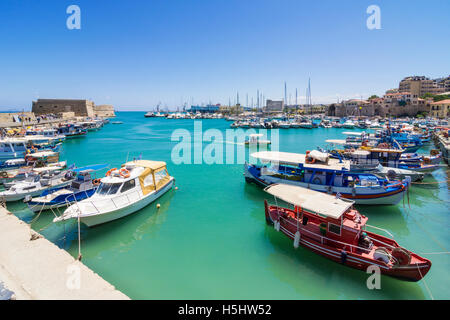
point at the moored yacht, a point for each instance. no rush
(35, 184)
(122, 192)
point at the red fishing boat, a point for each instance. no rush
(333, 228)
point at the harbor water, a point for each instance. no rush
(209, 239)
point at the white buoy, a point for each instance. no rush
(297, 239)
(158, 206)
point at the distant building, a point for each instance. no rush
(78, 107)
(440, 109)
(352, 107)
(205, 109)
(391, 104)
(420, 85)
(274, 106)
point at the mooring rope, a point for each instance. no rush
(437, 182)
(430, 235)
(425, 283)
(425, 253)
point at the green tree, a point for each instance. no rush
(374, 96)
(427, 95)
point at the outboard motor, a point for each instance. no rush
(68, 175)
(391, 174)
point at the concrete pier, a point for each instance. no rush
(38, 269)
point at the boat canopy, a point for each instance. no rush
(364, 153)
(44, 154)
(386, 150)
(153, 177)
(314, 201)
(351, 133)
(336, 141)
(153, 165)
(298, 158)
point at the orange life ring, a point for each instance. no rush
(124, 173)
(310, 160)
(110, 171)
(96, 182)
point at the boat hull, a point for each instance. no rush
(60, 201)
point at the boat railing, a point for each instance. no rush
(110, 200)
(381, 229)
(322, 238)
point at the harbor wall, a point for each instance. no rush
(38, 269)
(9, 117)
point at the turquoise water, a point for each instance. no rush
(209, 239)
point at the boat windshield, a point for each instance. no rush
(108, 188)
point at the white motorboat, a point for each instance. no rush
(284, 124)
(35, 184)
(255, 139)
(122, 192)
(397, 173)
(349, 124)
(9, 177)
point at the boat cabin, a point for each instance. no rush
(319, 217)
(12, 146)
(83, 181)
(144, 176)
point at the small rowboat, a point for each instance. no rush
(331, 227)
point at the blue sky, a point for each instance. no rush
(134, 54)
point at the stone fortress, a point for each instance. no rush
(71, 107)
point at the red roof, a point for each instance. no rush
(442, 102)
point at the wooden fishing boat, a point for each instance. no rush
(317, 171)
(333, 228)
